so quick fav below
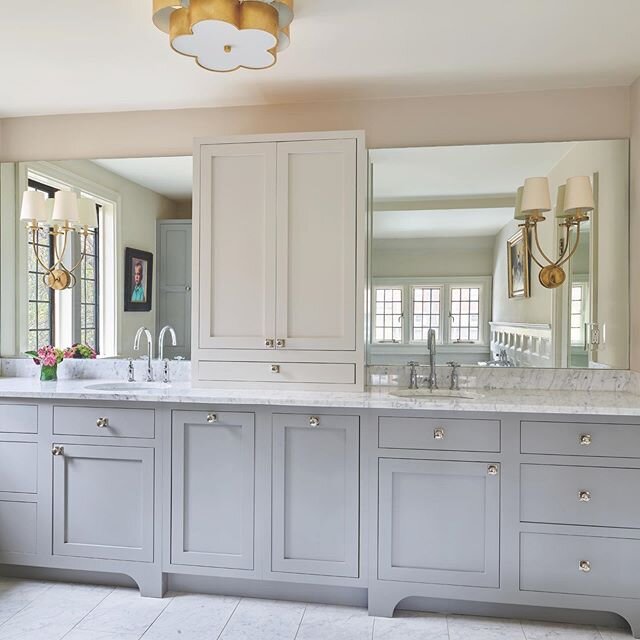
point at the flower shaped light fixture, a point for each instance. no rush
(224, 35)
(60, 216)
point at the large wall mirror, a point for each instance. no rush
(448, 256)
(142, 205)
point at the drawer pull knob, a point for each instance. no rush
(57, 450)
(280, 343)
(584, 566)
(268, 343)
(275, 368)
(314, 421)
(438, 434)
(492, 470)
(586, 439)
(584, 496)
(102, 423)
(211, 418)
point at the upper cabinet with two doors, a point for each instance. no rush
(279, 244)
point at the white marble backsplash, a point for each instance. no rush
(99, 369)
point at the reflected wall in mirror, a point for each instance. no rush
(442, 221)
(142, 203)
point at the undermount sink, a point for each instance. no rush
(129, 386)
(435, 394)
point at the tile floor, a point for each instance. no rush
(31, 610)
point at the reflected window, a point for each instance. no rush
(578, 312)
(88, 283)
(388, 315)
(464, 314)
(426, 313)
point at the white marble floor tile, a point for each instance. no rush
(552, 631)
(124, 611)
(192, 617)
(321, 622)
(407, 625)
(86, 634)
(608, 633)
(472, 628)
(264, 620)
(24, 590)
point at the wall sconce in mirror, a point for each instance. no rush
(574, 203)
(59, 217)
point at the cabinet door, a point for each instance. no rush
(213, 489)
(237, 246)
(438, 522)
(316, 277)
(174, 285)
(103, 502)
(315, 495)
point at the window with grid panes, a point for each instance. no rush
(464, 314)
(88, 280)
(578, 305)
(388, 315)
(426, 312)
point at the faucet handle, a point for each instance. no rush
(413, 363)
(454, 365)
(131, 375)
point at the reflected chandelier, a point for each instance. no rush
(224, 35)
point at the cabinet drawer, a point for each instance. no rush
(19, 468)
(581, 439)
(592, 496)
(18, 418)
(90, 421)
(551, 563)
(439, 434)
(306, 372)
(18, 527)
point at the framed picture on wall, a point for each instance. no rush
(518, 263)
(138, 280)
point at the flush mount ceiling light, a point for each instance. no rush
(224, 35)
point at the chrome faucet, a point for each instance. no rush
(136, 347)
(432, 380)
(174, 340)
(413, 374)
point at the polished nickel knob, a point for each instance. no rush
(586, 439)
(280, 343)
(314, 421)
(187, 288)
(584, 566)
(268, 343)
(438, 433)
(211, 418)
(492, 470)
(275, 368)
(584, 496)
(57, 450)
(102, 423)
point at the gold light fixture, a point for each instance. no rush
(224, 35)
(574, 203)
(59, 217)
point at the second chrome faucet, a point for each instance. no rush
(136, 346)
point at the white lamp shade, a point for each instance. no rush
(519, 215)
(560, 198)
(88, 216)
(535, 196)
(578, 195)
(33, 206)
(65, 208)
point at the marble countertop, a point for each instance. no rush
(495, 400)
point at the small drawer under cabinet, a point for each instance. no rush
(101, 421)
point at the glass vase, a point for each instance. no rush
(48, 373)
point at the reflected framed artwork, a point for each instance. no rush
(138, 279)
(518, 263)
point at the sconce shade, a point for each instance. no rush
(519, 215)
(65, 208)
(535, 196)
(33, 206)
(560, 199)
(88, 216)
(578, 196)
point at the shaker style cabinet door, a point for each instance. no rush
(213, 489)
(315, 501)
(316, 273)
(103, 502)
(236, 246)
(439, 522)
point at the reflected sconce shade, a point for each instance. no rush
(578, 197)
(560, 212)
(225, 35)
(65, 208)
(519, 215)
(535, 196)
(34, 207)
(88, 215)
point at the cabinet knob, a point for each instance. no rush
(584, 496)
(275, 368)
(102, 423)
(211, 418)
(280, 343)
(492, 470)
(314, 421)
(57, 450)
(187, 288)
(586, 439)
(268, 343)
(584, 566)
(438, 433)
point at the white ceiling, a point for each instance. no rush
(79, 56)
(171, 177)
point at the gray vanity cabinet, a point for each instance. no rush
(439, 522)
(212, 515)
(103, 501)
(315, 495)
